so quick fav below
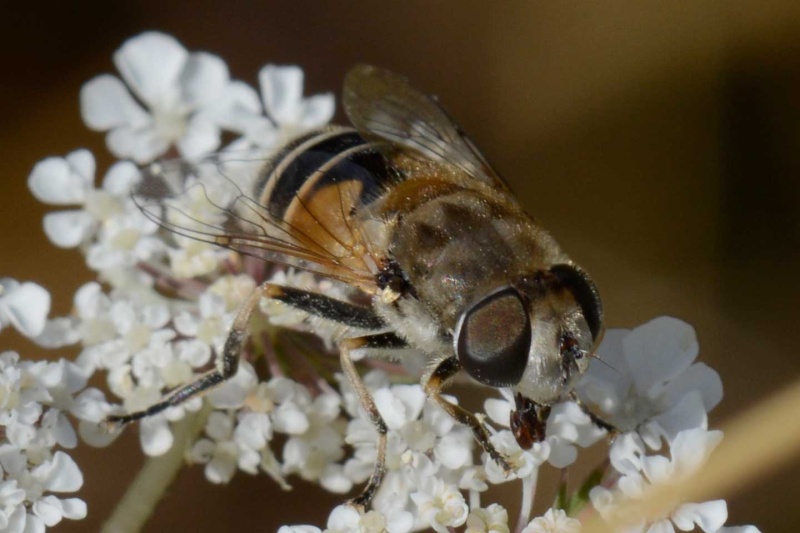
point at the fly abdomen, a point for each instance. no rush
(317, 160)
(316, 186)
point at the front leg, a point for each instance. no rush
(433, 385)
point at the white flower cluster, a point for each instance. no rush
(160, 311)
(35, 398)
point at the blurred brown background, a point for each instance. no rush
(659, 141)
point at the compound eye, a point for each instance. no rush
(493, 338)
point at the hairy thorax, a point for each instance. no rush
(457, 245)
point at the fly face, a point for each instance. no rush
(535, 336)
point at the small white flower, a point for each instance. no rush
(287, 112)
(24, 306)
(525, 462)
(69, 181)
(282, 91)
(124, 241)
(219, 452)
(210, 325)
(440, 505)
(311, 451)
(638, 470)
(179, 89)
(648, 380)
(346, 519)
(493, 519)
(233, 290)
(27, 489)
(553, 521)
(112, 329)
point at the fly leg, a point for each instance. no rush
(226, 368)
(383, 342)
(312, 303)
(433, 385)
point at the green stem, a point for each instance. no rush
(152, 481)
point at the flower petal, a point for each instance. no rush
(299, 529)
(25, 307)
(201, 138)
(141, 143)
(562, 454)
(106, 104)
(67, 229)
(691, 447)
(334, 479)
(499, 411)
(151, 63)
(82, 163)
(317, 110)
(687, 414)
(237, 108)
(203, 78)
(698, 377)
(63, 181)
(710, 516)
(33, 524)
(454, 451)
(282, 88)
(58, 333)
(344, 518)
(48, 509)
(232, 393)
(626, 453)
(658, 351)
(60, 474)
(120, 178)
(73, 508)
(155, 436)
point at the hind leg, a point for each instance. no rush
(312, 303)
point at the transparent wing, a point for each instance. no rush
(382, 104)
(211, 201)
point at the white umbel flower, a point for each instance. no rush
(179, 89)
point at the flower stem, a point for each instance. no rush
(150, 484)
(528, 495)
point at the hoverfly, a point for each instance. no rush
(404, 209)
